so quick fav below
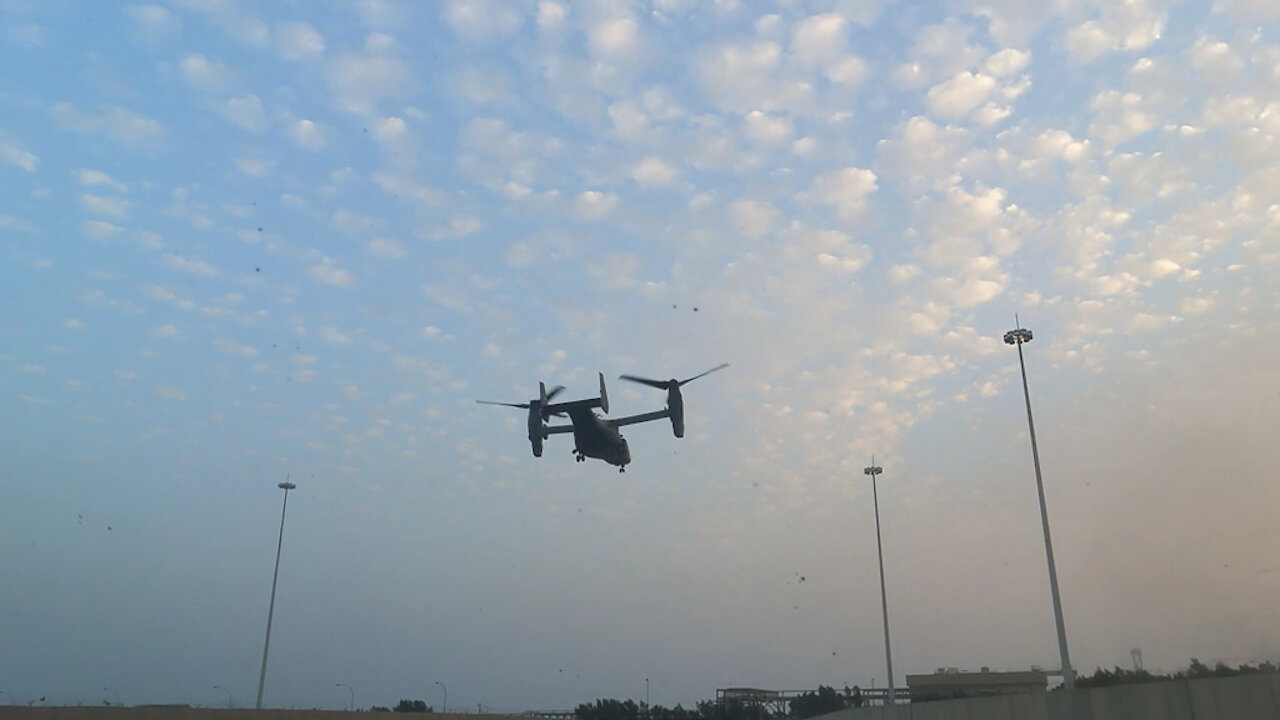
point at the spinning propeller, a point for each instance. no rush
(538, 413)
(675, 401)
(668, 384)
(540, 402)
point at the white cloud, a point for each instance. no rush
(247, 112)
(155, 22)
(484, 20)
(753, 219)
(921, 150)
(1007, 62)
(9, 222)
(1249, 13)
(99, 229)
(334, 336)
(846, 190)
(1132, 25)
(164, 294)
(168, 393)
(231, 347)
(1119, 117)
(13, 153)
(165, 331)
(818, 40)
(104, 205)
(462, 226)
(551, 15)
(929, 320)
(190, 265)
(390, 131)
(327, 272)
(308, 134)
(967, 293)
(653, 171)
(1215, 60)
(962, 93)
(767, 130)
(355, 224)
(903, 273)
(385, 248)
(745, 76)
(1231, 110)
(615, 39)
(73, 324)
(940, 51)
(297, 41)
(361, 82)
(117, 123)
(254, 167)
(594, 205)
(1012, 22)
(1058, 145)
(204, 74)
(93, 178)
(849, 70)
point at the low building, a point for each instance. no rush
(949, 683)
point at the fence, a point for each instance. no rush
(1244, 697)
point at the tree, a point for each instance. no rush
(608, 710)
(826, 700)
(1118, 676)
(416, 706)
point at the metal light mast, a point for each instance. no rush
(873, 470)
(1017, 337)
(266, 644)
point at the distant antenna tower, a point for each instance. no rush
(1137, 659)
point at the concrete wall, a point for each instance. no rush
(187, 713)
(1247, 697)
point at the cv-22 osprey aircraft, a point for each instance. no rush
(595, 436)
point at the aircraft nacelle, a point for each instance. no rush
(675, 405)
(535, 427)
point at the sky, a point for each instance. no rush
(249, 242)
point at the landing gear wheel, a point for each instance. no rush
(622, 468)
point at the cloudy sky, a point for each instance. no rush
(248, 241)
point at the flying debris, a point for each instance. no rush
(595, 436)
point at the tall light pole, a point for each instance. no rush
(1018, 336)
(228, 692)
(351, 692)
(445, 707)
(873, 470)
(266, 644)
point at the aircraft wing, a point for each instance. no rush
(552, 430)
(643, 417)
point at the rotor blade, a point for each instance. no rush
(660, 384)
(721, 366)
(554, 392)
(524, 406)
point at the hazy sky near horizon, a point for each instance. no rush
(248, 241)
